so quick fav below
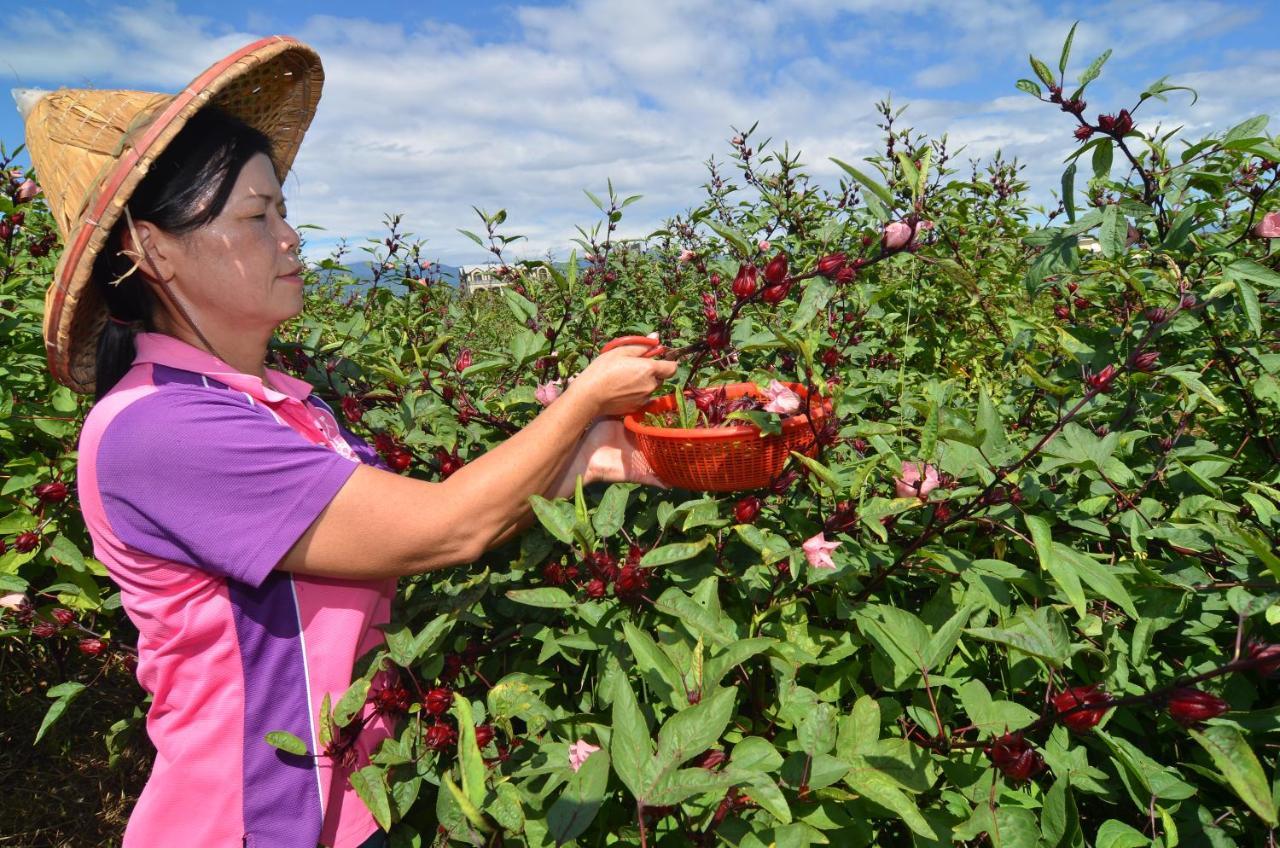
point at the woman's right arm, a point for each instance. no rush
(382, 524)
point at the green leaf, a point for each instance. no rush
(1061, 572)
(1117, 834)
(766, 793)
(575, 809)
(1239, 765)
(1192, 381)
(1100, 578)
(351, 702)
(1115, 229)
(468, 751)
(1042, 71)
(547, 597)
(630, 745)
(611, 513)
(817, 293)
(1029, 87)
(1103, 155)
(755, 754)
(470, 810)
(1251, 272)
(369, 785)
(736, 239)
(287, 742)
(657, 667)
(1069, 191)
(879, 191)
(557, 516)
(876, 786)
(1066, 50)
(1095, 67)
(694, 729)
(64, 693)
(674, 552)
(1040, 633)
(1248, 298)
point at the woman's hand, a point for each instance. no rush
(621, 380)
(611, 456)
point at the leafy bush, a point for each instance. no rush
(1027, 587)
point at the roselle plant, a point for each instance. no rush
(1025, 593)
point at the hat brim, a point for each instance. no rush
(273, 85)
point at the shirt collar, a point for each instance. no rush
(166, 350)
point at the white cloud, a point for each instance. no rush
(426, 118)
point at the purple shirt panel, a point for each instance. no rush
(202, 477)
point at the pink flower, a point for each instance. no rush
(916, 482)
(818, 551)
(781, 399)
(764, 246)
(13, 600)
(579, 751)
(1268, 227)
(687, 255)
(27, 190)
(548, 392)
(897, 235)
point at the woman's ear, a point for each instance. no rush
(150, 249)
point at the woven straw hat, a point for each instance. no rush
(90, 149)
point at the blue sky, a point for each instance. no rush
(431, 108)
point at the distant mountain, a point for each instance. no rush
(363, 273)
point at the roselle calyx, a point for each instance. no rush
(747, 510)
(55, 492)
(744, 284)
(1014, 757)
(1265, 658)
(776, 271)
(437, 701)
(1188, 706)
(717, 337)
(1103, 381)
(775, 294)
(831, 264)
(1082, 720)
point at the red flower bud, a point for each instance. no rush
(92, 647)
(440, 736)
(595, 589)
(1265, 658)
(717, 335)
(632, 580)
(1062, 311)
(463, 360)
(437, 701)
(783, 482)
(1082, 303)
(1156, 314)
(399, 459)
(1147, 360)
(44, 629)
(1083, 132)
(1188, 706)
(1103, 380)
(55, 492)
(392, 700)
(744, 285)
(554, 574)
(831, 357)
(352, 408)
(1015, 757)
(26, 542)
(709, 306)
(484, 734)
(832, 264)
(776, 271)
(747, 510)
(845, 275)
(842, 519)
(712, 759)
(1081, 720)
(775, 294)
(63, 616)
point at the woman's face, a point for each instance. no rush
(240, 270)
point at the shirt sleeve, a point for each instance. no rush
(202, 477)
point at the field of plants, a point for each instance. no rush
(1025, 591)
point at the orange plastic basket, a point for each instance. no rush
(723, 459)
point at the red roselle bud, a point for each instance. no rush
(1265, 658)
(399, 459)
(484, 734)
(554, 574)
(1188, 706)
(1103, 381)
(437, 701)
(595, 589)
(63, 616)
(1083, 132)
(44, 629)
(775, 294)
(783, 481)
(352, 409)
(632, 580)
(776, 271)
(6, 230)
(1147, 360)
(55, 492)
(1062, 311)
(27, 542)
(1156, 314)
(1081, 696)
(712, 759)
(842, 519)
(709, 306)
(391, 700)
(1082, 303)
(717, 335)
(463, 360)
(440, 735)
(1015, 757)
(744, 285)
(92, 647)
(831, 357)
(747, 510)
(832, 264)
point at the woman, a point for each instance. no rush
(255, 541)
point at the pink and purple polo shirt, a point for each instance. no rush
(195, 480)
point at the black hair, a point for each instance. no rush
(186, 188)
